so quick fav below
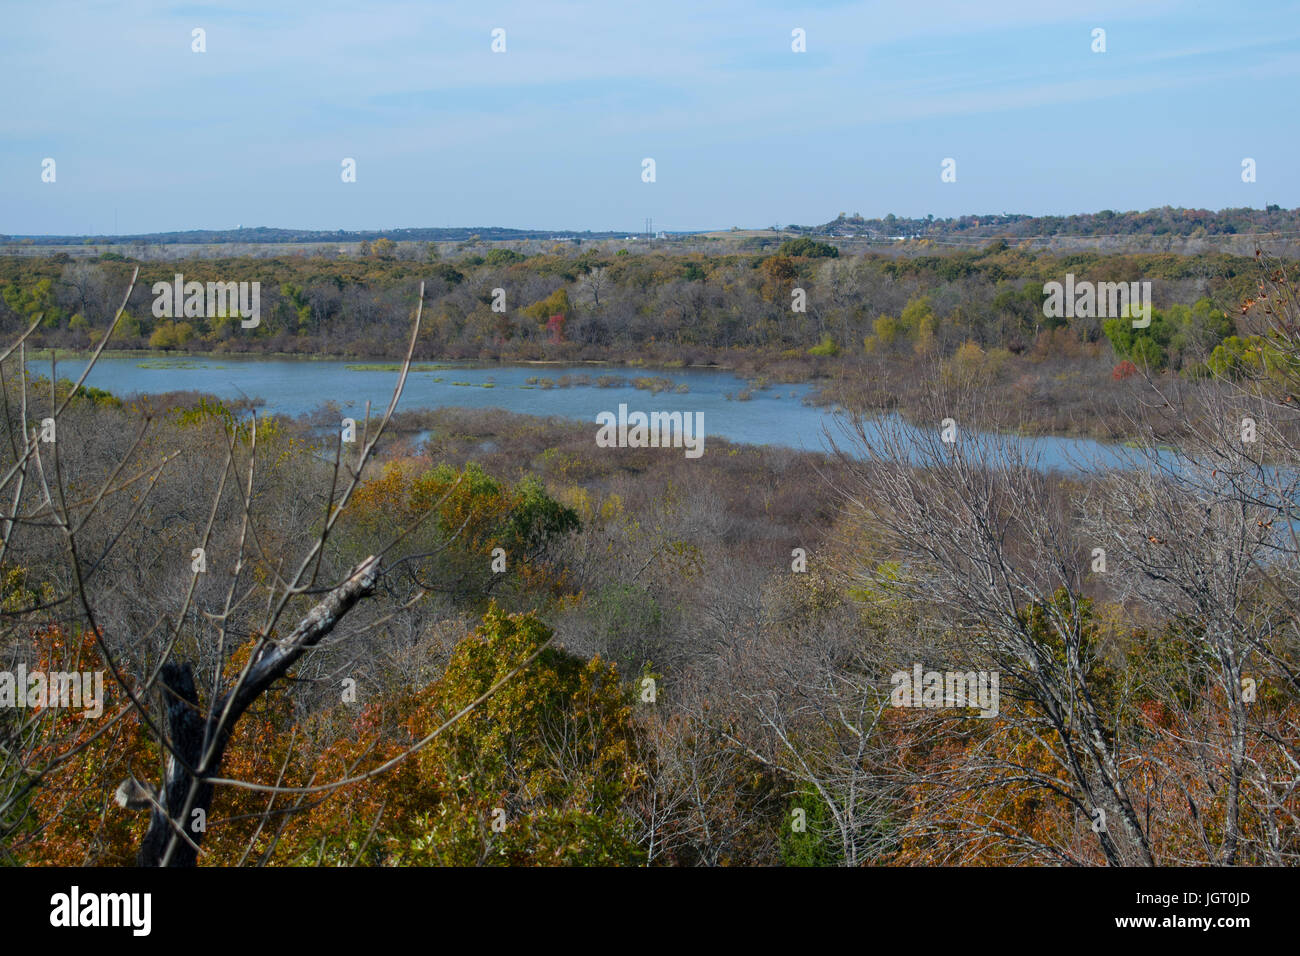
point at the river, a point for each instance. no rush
(776, 415)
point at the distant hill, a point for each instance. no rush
(265, 235)
(1166, 221)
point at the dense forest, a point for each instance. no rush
(659, 305)
(503, 644)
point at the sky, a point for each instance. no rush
(148, 135)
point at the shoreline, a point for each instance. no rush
(45, 354)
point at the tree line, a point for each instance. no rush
(495, 303)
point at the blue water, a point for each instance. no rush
(773, 416)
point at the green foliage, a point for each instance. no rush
(811, 847)
(538, 520)
(554, 748)
(128, 327)
(1256, 358)
(1196, 331)
(503, 257)
(19, 589)
(827, 347)
(205, 411)
(808, 249)
(1081, 642)
(472, 515)
(33, 300)
(557, 303)
(98, 397)
(1179, 337)
(887, 329)
(171, 335)
(1147, 353)
(297, 300)
(87, 396)
(915, 313)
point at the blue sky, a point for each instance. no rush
(551, 134)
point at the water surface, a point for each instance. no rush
(776, 415)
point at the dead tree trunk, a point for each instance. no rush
(198, 742)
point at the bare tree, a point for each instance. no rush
(57, 486)
(984, 536)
